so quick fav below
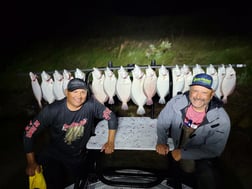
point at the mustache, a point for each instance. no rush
(198, 99)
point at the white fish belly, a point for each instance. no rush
(177, 85)
(37, 92)
(150, 88)
(58, 90)
(47, 92)
(110, 88)
(163, 87)
(123, 91)
(98, 91)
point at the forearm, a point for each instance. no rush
(111, 136)
(30, 157)
(109, 146)
(31, 164)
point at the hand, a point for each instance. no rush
(176, 154)
(108, 148)
(30, 169)
(162, 149)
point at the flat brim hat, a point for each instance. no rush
(76, 83)
(203, 80)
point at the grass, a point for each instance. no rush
(126, 40)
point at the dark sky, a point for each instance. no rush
(21, 19)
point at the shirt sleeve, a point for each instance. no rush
(103, 112)
(163, 124)
(33, 128)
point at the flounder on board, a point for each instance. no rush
(221, 71)
(137, 92)
(163, 84)
(178, 81)
(97, 86)
(123, 87)
(150, 84)
(197, 69)
(47, 87)
(210, 70)
(58, 85)
(228, 83)
(185, 70)
(79, 74)
(67, 76)
(36, 88)
(110, 85)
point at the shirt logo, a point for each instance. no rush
(31, 128)
(74, 131)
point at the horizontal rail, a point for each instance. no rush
(152, 65)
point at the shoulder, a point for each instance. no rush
(57, 104)
(179, 101)
(93, 103)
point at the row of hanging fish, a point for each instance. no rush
(145, 84)
(52, 88)
(140, 89)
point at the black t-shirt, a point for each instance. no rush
(69, 130)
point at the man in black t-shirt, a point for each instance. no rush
(70, 122)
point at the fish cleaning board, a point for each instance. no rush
(133, 133)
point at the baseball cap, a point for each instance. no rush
(203, 80)
(76, 83)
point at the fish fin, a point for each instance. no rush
(161, 100)
(111, 100)
(125, 106)
(224, 99)
(149, 101)
(140, 110)
(40, 104)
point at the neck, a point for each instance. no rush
(72, 108)
(201, 109)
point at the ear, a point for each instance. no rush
(212, 94)
(65, 92)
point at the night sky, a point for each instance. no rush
(25, 20)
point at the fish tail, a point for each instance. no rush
(40, 104)
(111, 100)
(140, 110)
(149, 101)
(161, 100)
(125, 106)
(224, 99)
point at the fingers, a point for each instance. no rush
(162, 149)
(107, 148)
(31, 168)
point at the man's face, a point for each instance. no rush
(200, 97)
(76, 98)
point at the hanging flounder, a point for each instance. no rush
(197, 69)
(150, 84)
(221, 74)
(79, 74)
(110, 84)
(185, 70)
(163, 84)
(137, 92)
(97, 86)
(123, 87)
(210, 70)
(178, 81)
(67, 76)
(36, 88)
(47, 87)
(58, 85)
(228, 83)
